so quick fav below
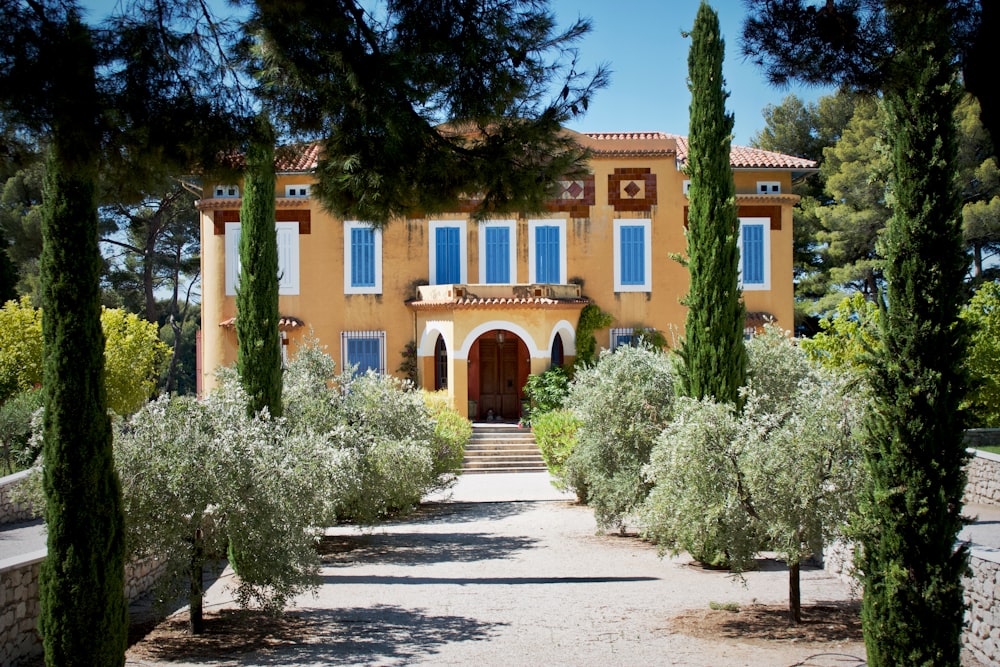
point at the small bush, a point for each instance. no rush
(556, 435)
(547, 391)
(623, 403)
(18, 451)
(452, 433)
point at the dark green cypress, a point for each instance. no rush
(712, 350)
(913, 609)
(259, 354)
(84, 618)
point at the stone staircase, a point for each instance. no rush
(502, 448)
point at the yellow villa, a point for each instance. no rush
(485, 304)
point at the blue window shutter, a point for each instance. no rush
(497, 255)
(366, 353)
(753, 254)
(449, 261)
(633, 255)
(547, 254)
(362, 257)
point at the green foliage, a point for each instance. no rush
(547, 391)
(982, 313)
(649, 337)
(912, 610)
(390, 449)
(461, 101)
(781, 475)
(849, 338)
(259, 356)
(408, 365)
(622, 402)
(17, 451)
(592, 318)
(556, 434)
(452, 433)
(200, 477)
(83, 618)
(20, 348)
(134, 356)
(712, 349)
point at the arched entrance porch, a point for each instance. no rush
(499, 364)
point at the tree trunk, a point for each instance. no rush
(794, 594)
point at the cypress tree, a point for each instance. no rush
(84, 619)
(912, 609)
(259, 355)
(712, 350)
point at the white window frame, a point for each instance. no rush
(463, 249)
(532, 225)
(362, 289)
(346, 336)
(769, 187)
(288, 257)
(685, 186)
(223, 191)
(618, 333)
(511, 226)
(766, 285)
(298, 190)
(647, 285)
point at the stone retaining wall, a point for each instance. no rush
(983, 484)
(982, 589)
(10, 511)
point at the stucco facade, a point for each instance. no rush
(485, 304)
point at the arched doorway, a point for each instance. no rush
(499, 367)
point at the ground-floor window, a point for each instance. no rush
(363, 350)
(557, 353)
(440, 364)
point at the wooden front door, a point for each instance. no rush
(498, 381)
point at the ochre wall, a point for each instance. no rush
(326, 311)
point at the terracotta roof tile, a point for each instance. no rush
(744, 157)
(498, 302)
(285, 323)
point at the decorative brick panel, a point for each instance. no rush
(772, 212)
(632, 189)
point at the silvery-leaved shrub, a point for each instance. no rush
(783, 474)
(623, 403)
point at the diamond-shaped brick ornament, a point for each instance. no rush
(632, 189)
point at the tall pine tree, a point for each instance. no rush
(912, 608)
(259, 356)
(712, 350)
(84, 618)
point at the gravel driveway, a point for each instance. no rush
(513, 582)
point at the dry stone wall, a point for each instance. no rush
(983, 484)
(11, 511)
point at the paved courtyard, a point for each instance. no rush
(508, 571)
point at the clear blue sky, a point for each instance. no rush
(641, 41)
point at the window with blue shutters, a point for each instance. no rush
(547, 251)
(363, 351)
(497, 255)
(449, 258)
(755, 260)
(362, 258)
(633, 272)
(547, 254)
(497, 252)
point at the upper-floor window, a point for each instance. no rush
(448, 252)
(227, 191)
(363, 350)
(498, 251)
(547, 251)
(632, 256)
(686, 186)
(362, 258)
(769, 187)
(288, 257)
(296, 190)
(755, 253)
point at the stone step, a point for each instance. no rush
(500, 448)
